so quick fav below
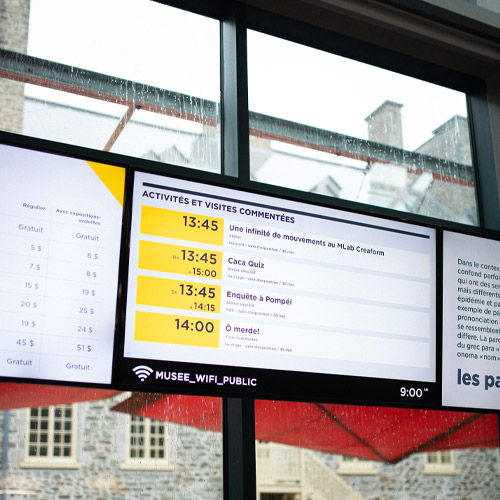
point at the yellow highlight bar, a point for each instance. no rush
(180, 260)
(174, 329)
(182, 226)
(160, 292)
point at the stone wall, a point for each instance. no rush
(477, 478)
(196, 458)
(14, 23)
(196, 473)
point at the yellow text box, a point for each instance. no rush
(160, 292)
(182, 225)
(180, 260)
(175, 329)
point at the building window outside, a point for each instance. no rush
(51, 439)
(439, 462)
(147, 444)
(356, 466)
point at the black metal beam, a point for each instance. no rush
(239, 449)
(482, 142)
(235, 134)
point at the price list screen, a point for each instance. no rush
(60, 235)
(225, 278)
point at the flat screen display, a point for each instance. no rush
(234, 292)
(60, 236)
(471, 321)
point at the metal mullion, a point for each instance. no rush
(238, 423)
(238, 434)
(487, 188)
(234, 87)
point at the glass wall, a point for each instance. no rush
(132, 77)
(66, 442)
(490, 5)
(337, 127)
(308, 450)
(486, 7)
(142, 79)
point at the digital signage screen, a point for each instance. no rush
(60, 237)
(230, 292)
(471, 321)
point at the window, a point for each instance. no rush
(51, 437)
(439, 462)
(345, 129)
(147, 444)
(48, 91)
(115, 83)
(355, 466)
(461, 8)
(374, 452)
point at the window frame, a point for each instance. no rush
(440, 467)
(146, 462)
(50, 461)
(354, 466)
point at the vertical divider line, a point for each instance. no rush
(238, 437)
(238, 423)
(487, 194)
(234, 90)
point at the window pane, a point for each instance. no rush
(134, 77)
(311, 450)
(340, 128)
(481, 10)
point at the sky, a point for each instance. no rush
(150, 43)
(327, 91)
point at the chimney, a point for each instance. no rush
(385, 126)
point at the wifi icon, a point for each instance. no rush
(143, 372)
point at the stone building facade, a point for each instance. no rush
(475, 476)
(103, 471)
(14, 21)
(193, 468)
